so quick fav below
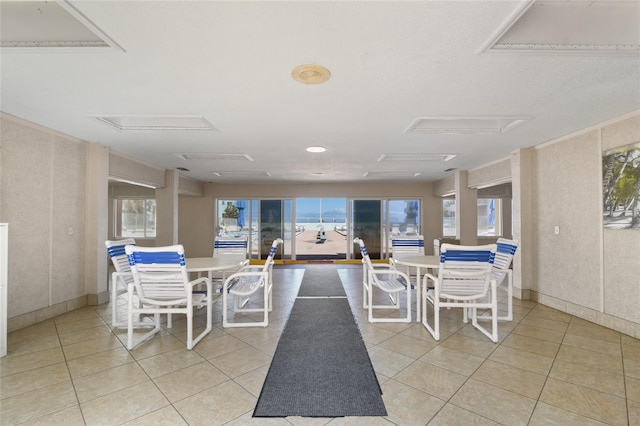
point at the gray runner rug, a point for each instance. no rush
(321, 367)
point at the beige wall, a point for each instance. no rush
(490, 174)
(585, 270)
(43, 199)
(622, 248)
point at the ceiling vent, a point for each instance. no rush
(156, 122)
(213, 157)
(239, 174)
(416, 157)
(51, 25)
(598, 27)
(464, 124)
(392, 174)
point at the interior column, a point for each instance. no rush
(96, 220)
(167, 210)
(466, 210)
(522, 186)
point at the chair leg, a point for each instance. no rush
(130, 343)
(209, 327)
(130, 321)
(189, 327)
(266, 304)
(114, 301)
(435, 330)
(395, 296)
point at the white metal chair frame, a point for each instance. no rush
(386, 278)
(501, 270)
(406, 246)
(229, 247)
(161, 281)
(247, 281)
(120, 278)
(464, 280)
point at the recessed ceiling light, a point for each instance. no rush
(310, 74)
(316, 149)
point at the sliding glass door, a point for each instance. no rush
(271, 224)
(367, 224)
(319, 228)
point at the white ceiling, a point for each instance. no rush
(226, 66)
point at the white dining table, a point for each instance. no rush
(212, 264)
(419, 262)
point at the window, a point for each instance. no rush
(449, 217)
(136, 218)
(489, 217)
(404, 217)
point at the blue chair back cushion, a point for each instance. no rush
(506, 248)
(240, 243)
(483, 256)
(150, 258)
(409, 242)
(118, 250)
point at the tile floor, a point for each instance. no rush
(548, 368)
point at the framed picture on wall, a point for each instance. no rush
(621, 187)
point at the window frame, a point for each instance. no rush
(148, 231)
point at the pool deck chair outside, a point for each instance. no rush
(241, 285)
(388, 279)
(464, 281)
(161, 281)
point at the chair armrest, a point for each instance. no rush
(382, 266)
(121, 275)
(233, 278)
(426, 279)
(201, 280)
(198, 281)
(390, 271)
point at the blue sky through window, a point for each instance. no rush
(331, 210)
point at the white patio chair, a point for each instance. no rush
(464, 281)
(388, 279)
(120, 278)
(501, 270)
(229, 247)
(247, 281)
(161, 281)
(406, 246)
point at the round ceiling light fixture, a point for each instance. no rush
(316, 149)
(310, 74)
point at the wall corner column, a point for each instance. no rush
(167, 210)
(95, 257)
(466, 210)
(523, 221)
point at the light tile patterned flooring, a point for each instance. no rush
(548, 368)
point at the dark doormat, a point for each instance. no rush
(321, 367)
